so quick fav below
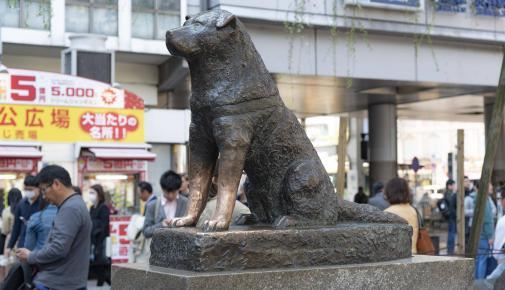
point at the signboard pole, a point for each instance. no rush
(415, 166)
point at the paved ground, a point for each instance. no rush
(92, 286)
(91, 283)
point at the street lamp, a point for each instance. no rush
(3, 69)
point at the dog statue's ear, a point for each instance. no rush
(225, 20)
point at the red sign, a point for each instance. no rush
(113, 165)
(119, 240)
(16, 164)
(108, 126)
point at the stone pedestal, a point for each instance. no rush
(418, 272)
(262, 248)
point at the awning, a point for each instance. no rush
(26, 152)
(122, 153)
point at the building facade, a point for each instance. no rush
(374, 61)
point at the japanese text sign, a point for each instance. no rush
(49, 107)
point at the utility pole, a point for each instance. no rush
(341, 153)
(491, 148)
(460, 221)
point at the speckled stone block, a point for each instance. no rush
(418, 272)
(253, 248)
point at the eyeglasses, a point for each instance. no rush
(43, 190)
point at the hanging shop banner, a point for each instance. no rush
(43, 88)
(49, 107)
(18, 165)
(118, 238)
(112, 165)
(68, 124)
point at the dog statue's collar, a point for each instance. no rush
(246, 107)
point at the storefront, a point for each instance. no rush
(118, 169)
(16, 161)
(94, 130)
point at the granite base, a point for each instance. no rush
(418, 272)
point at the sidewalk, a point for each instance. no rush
(91, 283)
(92, 286)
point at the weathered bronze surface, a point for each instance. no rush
(250, 248)
(238, 115)
(416, 273)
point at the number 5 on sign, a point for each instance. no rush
(22, 88)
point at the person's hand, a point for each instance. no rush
(7, 252)
(23, 254)
(166, 222)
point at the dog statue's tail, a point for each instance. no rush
(350, 211)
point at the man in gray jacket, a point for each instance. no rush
(161, 211)
(378, 198)
(63, 262)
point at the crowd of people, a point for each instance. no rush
(52, 240)
(49, 235)
(396, 197)
(57, 242)
(492, 239)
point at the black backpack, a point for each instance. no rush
(443, 207)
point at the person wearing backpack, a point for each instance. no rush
(443, 205)
(140, 245)
(451, 195)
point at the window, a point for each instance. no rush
(92, 16)
(152, 18)
(35, 14)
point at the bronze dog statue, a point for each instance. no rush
(238, 116)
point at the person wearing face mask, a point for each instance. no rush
(29, 205)
(99, 212)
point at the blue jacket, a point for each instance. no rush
(23, 209)
(488, 226)
(38, 228)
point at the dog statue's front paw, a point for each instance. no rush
(215, 225)
(186, 221)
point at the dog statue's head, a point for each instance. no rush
(205, 32)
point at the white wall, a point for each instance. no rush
(32, 63)
(167, 126)
(321, 13)
(61, 154)
(376, 57)
(141, 79)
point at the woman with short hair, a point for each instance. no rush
(397, 193)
